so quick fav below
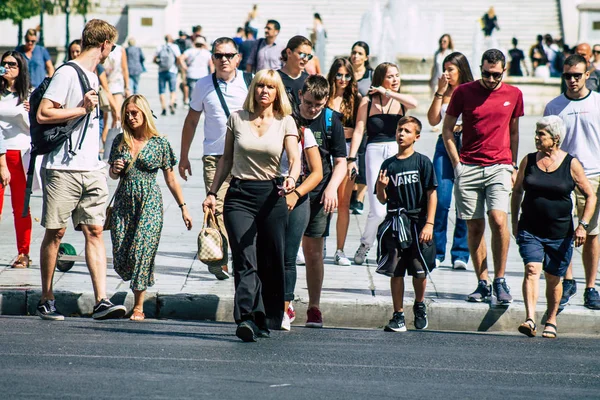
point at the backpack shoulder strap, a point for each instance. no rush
(85, 87)
(220, 94)
(248, 78)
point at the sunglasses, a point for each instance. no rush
(488, 74)
(305, 55)
(10, 64)
(228, 56)
(31, 41)
(567, 77)
(596, 51)
(114, 46)
(344, 77)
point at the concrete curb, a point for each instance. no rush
(443, 315)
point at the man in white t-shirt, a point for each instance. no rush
(74, 180)
(197, 63)
(579, 108)
(205, 99)
(167, 57)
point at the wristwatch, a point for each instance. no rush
(585, 225)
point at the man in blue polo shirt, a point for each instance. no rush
(38, 59)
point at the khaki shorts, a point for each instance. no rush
(477, 187)
(210, 168)
(593, 229)
(80, 195)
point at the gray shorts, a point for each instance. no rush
(477, 188)
(80, 195)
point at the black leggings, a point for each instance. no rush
(256, 219)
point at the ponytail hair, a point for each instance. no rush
(293, 44)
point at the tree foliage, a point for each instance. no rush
(19, 10)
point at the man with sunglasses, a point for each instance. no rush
(579, 108)
(266, 53)
(74, 180)
(486, 167)
(39, 62)
(593, 80)
(205, 99)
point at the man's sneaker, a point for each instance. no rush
(105, 309)
(396, 324)
(314, 319)
(300, 257)
(247, 331)
(361, 254)
(420, 310)
(459, 265)
(483, 292)
(340, 258)
(591, 299)
(502, 291)
(291, 313)
(47, 311)
(286, 324)
(358, 208)
(217, 271)
(569, 290)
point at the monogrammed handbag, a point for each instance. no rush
(210, 240)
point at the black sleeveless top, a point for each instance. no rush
(382, 127)
(547, 207)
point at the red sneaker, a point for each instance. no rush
(314, 318)
(291, 313)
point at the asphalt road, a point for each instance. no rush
(82, 358)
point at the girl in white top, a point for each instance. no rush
(255, 209)
(14, 129)
(456, 71)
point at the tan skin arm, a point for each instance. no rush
(514, 144)
(50, 112)
(517, 196)
(173, 185)
(4, 172)
(125, 70)
(434, 114)
(382, 183)
(584, 186)
(49, 68)
(187, 137)
(223, 171)
(313, 159)
(359, 132)
(111, 99)
(427, 232)
(448, 137)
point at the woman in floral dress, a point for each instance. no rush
(137, 219)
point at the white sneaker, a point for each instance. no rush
(286, 324)
(361, 254)
(300, 257)
(340, 258)
(437, 263)
(459, 265)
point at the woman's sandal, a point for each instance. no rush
(549, 334)
(22, 261)
(137, 315)
(528, 328)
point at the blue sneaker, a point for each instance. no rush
(569, 290)
(591, 299)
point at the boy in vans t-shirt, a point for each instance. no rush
(405, 238)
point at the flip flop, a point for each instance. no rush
(528, 328)
(137, 315)
(22, 261)
(549, 334)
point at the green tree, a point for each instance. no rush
(18, 11)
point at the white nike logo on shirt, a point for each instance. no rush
(506, 103)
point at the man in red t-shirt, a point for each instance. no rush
(487, 166)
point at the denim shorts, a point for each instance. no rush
(165, 77)
(554, 254)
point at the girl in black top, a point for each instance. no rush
(363, 73)
(295, 56)
(379, 114)
(545, 230)
(343, 98)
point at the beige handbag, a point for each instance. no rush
(103, 100)
(210, 240)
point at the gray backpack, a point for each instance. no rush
(165, 58)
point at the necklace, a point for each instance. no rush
(547, 167)
(389, 106)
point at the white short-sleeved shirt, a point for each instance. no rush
(205, 99)
(65, 89)
(582, 120)
(14, 123)
(309, 141)
(198, 61)
(176, 52)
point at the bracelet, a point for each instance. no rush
(351, 159)
(292, 178)
(438, 95)
(429, 223)
(387, 92)
(298, 194)
(182, 205)
(211, 194)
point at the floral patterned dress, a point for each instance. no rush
(137, 216)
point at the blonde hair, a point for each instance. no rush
(96, 32)
(149, 130)
(281, 105)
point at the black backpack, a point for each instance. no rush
(46, 138)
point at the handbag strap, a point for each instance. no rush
(220, 94)
(133, 160)
(209, 219)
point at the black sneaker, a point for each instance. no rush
(172, 109)
(591, 299)
(107, 310)
(420, 310)
(358, 208)
(163, 113)
(247, 331)
(396, 324)
(569, 290)
(47, 311)
(482, 293)
(502, 291)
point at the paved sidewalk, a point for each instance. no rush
(352, 296)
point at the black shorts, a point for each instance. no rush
(318, 224)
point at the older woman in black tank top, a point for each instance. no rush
(544, 231)
(379, 113)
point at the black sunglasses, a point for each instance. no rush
(567, 77)
(305, 55)
(596, 51)
(344, 77)
(228, 56)
(31, 41)
(114, 46)
(488, 74)
(10, 64)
